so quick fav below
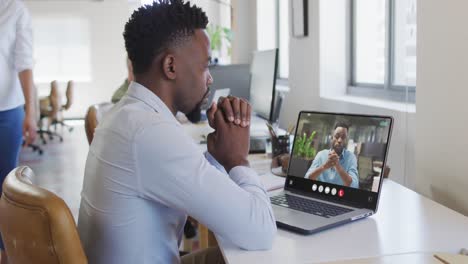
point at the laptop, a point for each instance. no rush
(335, 171)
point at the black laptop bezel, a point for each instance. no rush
(358, 198)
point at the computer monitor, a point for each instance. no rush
(236, 77)
(262, 83)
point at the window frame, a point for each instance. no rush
(387, 90)
(280, 80)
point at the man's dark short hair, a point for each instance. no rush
(153, 28)
(342, 124)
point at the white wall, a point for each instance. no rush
(304, 71)
(107, 19)
(442, 121)
(244, 27)
(318, 78)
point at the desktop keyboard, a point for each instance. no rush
(308, 206)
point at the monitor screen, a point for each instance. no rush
(236, 77)
(262, 82)
(340, 150)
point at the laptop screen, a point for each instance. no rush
(340, 156)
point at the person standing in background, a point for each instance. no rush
(17, 97)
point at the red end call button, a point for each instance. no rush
(341, 193)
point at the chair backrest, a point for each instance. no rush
(69, 95)
(371, 149)
(93, 116)
(365, 167)
(54, 100)
(36, 225)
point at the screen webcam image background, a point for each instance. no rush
(367, 139)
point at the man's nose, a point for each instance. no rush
(210, 80)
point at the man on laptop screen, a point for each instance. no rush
(337, 164)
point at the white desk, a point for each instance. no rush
(406, 222)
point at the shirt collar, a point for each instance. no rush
(140, 92)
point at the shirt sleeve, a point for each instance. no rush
(315, 164)
(23, 52)
(353, 172)
(214, 162)
(173, 171)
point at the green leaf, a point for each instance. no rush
(304, 148)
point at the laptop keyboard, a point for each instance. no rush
(308, 206)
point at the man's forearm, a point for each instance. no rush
(26, 80)
(315, 174)
(347, 180)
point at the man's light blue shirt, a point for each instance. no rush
(347, 161)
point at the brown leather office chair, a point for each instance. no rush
(36, 225)
(93, 116)
(69, 95)
(366, 172)
(59, 117)
(49, 110)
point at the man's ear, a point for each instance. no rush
(169, 67)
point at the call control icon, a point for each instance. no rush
(341, 193)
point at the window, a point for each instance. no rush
(62, 49)
(273, 31)
(283, 40)
(219, 17)
(383, 49)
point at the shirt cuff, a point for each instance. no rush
(23, 64)
(214, 162)
(245, 175)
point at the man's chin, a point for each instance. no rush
(194, 116)
(338, 149)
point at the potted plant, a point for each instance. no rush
(217, 34)
(303, 154)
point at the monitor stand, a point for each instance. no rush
(258, 144)
(258, 134)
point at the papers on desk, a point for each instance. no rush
(272, 182)
(261, 163)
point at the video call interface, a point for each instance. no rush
(340, 149)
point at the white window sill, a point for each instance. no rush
(379, 103)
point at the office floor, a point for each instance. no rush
(60, 168)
